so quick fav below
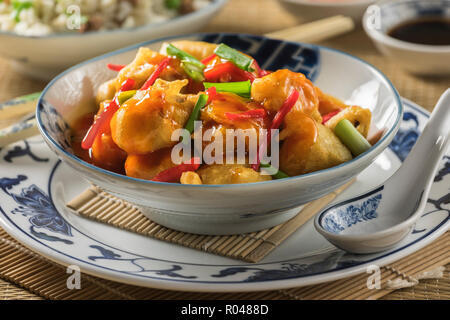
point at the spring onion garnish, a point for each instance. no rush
(172, 4)
(351, 137)
(241, 88)
(201, 103)
(18, 6)
(239, 59)
(279, 175)
(192, 66)
(193, 70)
(125, 95)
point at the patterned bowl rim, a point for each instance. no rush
(372, 152)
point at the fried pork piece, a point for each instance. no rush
(214, 117)
(145, 123)
(359, 117)
(273, 89)
(230, 174)
(140, 70)
(308, 145)
(147, 166)
(299, 156)
(198, 49)
(328, 103)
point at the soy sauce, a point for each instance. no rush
(430, 31)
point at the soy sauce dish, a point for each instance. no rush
(413, 33)
(219, 204)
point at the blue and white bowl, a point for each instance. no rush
(421, 59)
(43, 57)
(225, 209)
(311, 10)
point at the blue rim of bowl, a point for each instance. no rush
(168, 184)
(383, 37)
(213, 6)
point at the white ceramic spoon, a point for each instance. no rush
(379, 219)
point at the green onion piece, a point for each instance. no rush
(239, 59)
(351, 137)
(193, 71)
(184, 56)
(242, 88)
(18, 6)
(125, 95)
(192, 66)
(279, 175)
(172, 4)
(201, 103)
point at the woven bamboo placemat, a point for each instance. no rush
(28, 270)
(48, 279)
(100, 206)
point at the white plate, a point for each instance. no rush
(35, 185)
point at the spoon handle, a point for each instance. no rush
(422, 162)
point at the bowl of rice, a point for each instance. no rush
(43, 37)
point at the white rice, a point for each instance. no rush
(43, 17)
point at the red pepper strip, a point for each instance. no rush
(227, 68)
(98, 127)
(287, 106)
(127, 85)
(258, 68)
(265, 73)
(330, 115)
(174, 174)
(250, 114)
(99, 122)
(115, 67)
(155, 75)
(212, 93)
(209, 59)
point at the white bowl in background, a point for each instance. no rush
(225, 209)
(315, 9)
(43, 57)
(420, 59)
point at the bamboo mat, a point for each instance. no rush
(100, 206)
(39, 278)
(35, 274)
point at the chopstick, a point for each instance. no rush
(316, 31)
(310, 32)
